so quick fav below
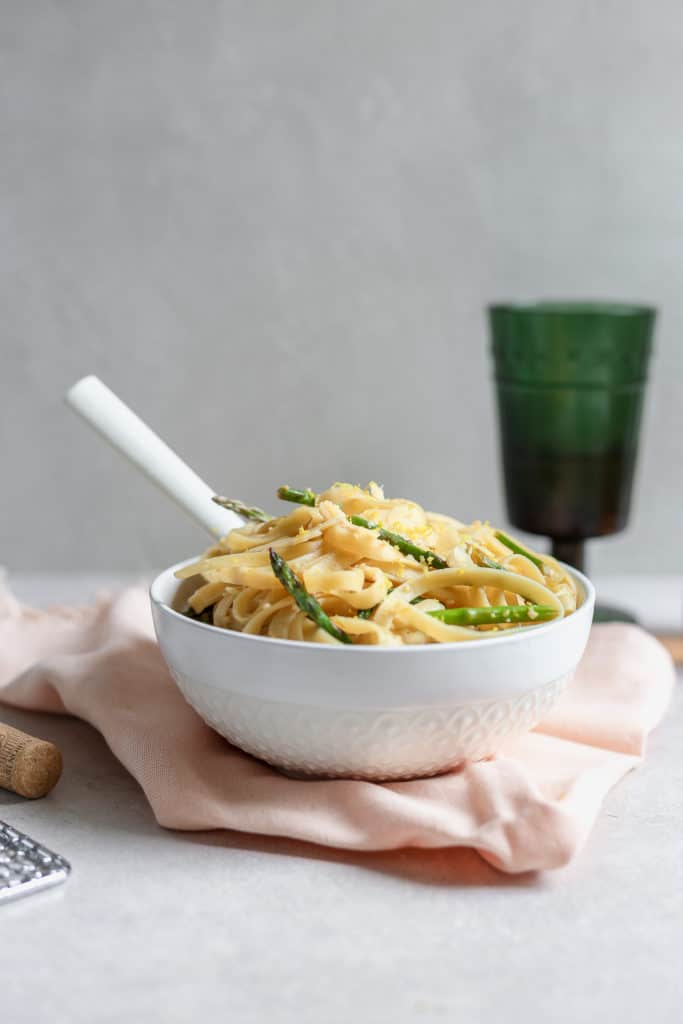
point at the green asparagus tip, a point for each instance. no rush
(256, 514)
(306, 497)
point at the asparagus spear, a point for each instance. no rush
(495, 613)
(306, 497)
(257, 514)
(483, 616)
(404, 545)
(519, 550)
(308, 604)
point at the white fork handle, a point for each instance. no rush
(119, 425)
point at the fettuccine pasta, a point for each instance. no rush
(370, 589)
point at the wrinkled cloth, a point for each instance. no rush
(529, 808)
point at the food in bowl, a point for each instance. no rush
(366, 710)
(350, 566)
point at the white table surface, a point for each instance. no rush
(157, 926)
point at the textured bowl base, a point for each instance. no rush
(373, 743)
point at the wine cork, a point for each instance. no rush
(674, 645)
(28, 766)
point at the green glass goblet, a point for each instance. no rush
(570, 381)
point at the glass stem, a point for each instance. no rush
(570, 551)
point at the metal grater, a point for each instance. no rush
(26, 866)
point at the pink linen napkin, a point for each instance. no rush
(530, 808)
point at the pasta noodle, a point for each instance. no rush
(367, 586)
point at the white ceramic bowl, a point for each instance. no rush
(367, 712)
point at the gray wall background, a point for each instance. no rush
(272, 226)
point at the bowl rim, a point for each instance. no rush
(352, 650)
